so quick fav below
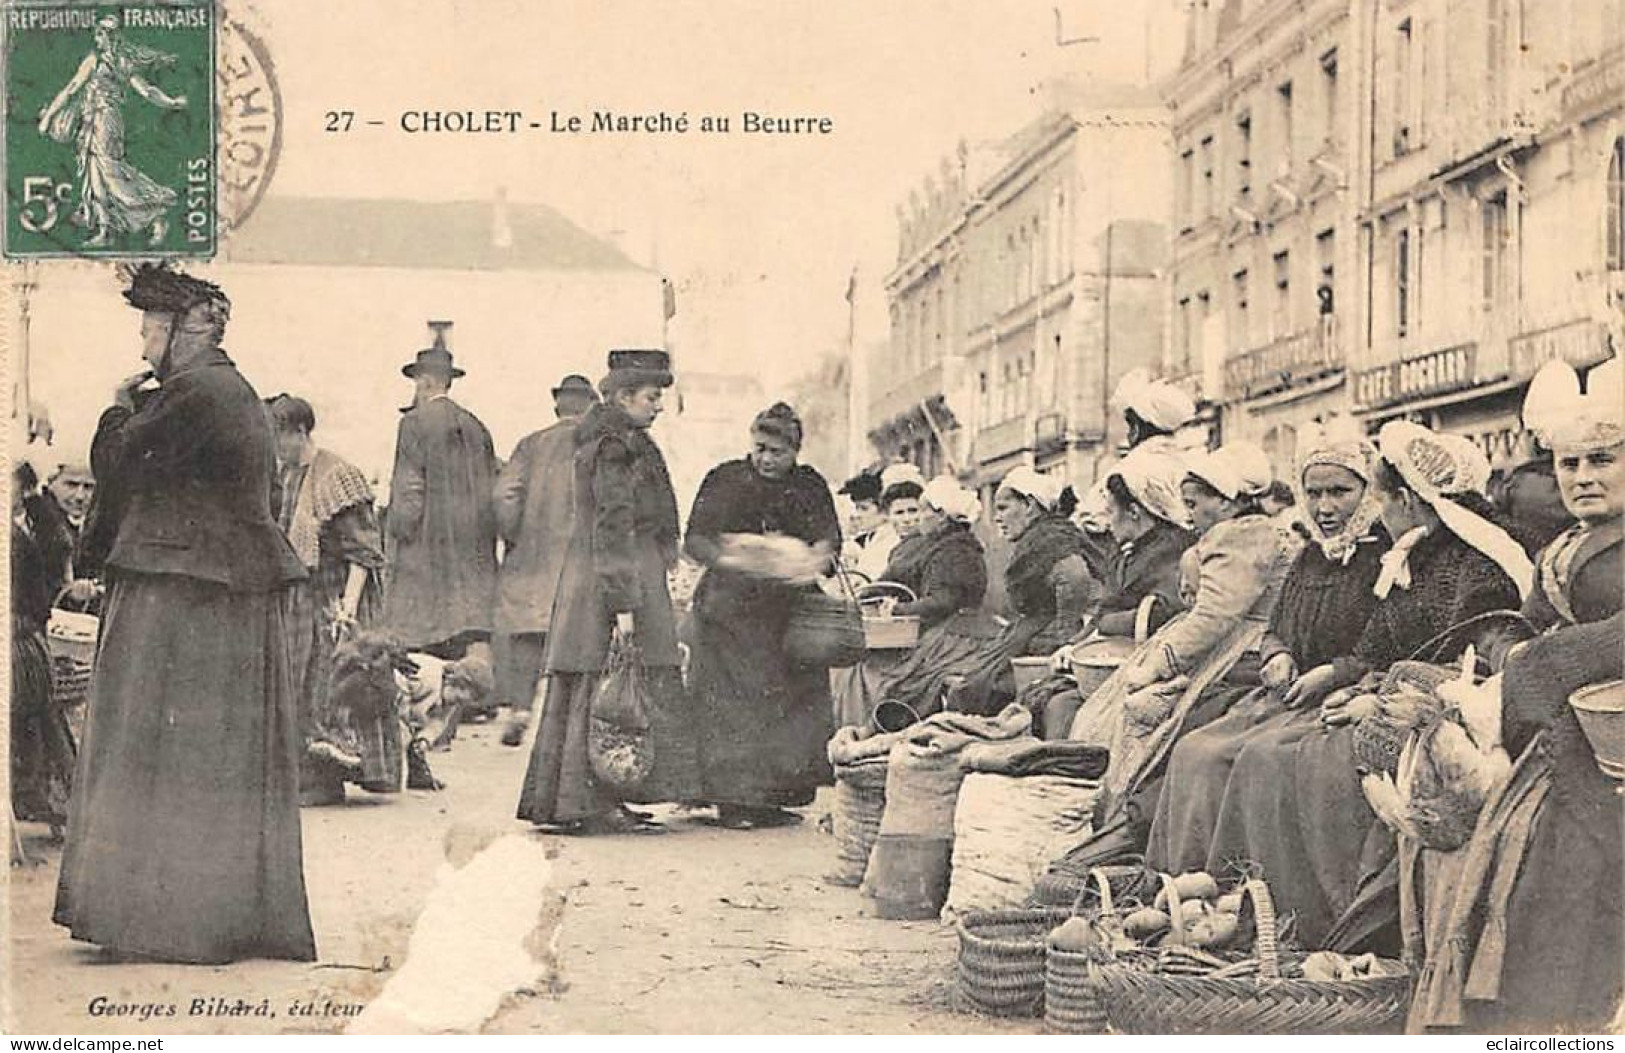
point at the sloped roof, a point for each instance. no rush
(449, 235)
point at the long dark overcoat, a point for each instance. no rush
(441, 538)
(623, 543)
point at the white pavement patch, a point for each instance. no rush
(475, 941)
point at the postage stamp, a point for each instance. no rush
(110, 129)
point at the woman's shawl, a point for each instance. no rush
(1243, 565)
(330, 485)
(1049, 540)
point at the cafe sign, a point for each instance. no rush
(1435, 373)
(1580, 344)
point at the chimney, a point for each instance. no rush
(501, 232)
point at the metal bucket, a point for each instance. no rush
(890, 715)
(1601, 709)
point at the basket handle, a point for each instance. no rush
(1269, 955)
(879, 588)
(1103, 885)
(1176, 908)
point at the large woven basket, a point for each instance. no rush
(1139, 1000)
(1002, 952)
(1071, 1005)
(1001, 959)
(860, 801)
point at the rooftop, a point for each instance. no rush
(451, 235)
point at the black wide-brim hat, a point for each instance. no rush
(641, 367)
(435, 357)
(577, 383)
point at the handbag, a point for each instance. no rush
(824, 630)
(620, 749)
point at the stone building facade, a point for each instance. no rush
(1028, 281)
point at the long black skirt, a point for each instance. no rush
(42, 749)
(559, 785)
(765, 722)
(183, 835)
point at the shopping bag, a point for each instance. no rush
(620, 748)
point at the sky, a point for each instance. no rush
(759, 234)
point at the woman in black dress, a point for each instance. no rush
(763, 719)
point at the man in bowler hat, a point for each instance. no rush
(535, 513)
(441, 529)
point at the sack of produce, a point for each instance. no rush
(1006, 830)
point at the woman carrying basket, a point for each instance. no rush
(764, 718)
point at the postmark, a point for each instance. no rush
(110, 129)
(249, 105)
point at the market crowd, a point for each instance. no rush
(1256, 655)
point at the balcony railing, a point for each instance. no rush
(907, 393)
(1004, 438)
(1295, 359)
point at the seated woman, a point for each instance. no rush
(1146, 515)
(1323, 606)
(1538, 893)
(856, 690)
(947, 571)
(1046, 584)
(1293, 806)
(1163, 691)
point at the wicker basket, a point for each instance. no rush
(1142, 1000)
(70, 638)
(860, 801)
(1002, 953)
(890, 632)
(1070, 1005)
(1001, 959)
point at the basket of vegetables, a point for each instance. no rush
(1218, 968)
(1002, 952)
(1122, 930)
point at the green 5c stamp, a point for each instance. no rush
(109, 128)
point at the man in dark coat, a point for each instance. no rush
(535, 511)
(441, 538)
(183, 839)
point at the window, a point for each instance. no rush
(1207, 177)
(1238, 285)
(1244, 154)
(1185, 204)
(1282, 314)
(1615, 208)
(1419, 279)
(1493, 216)
(941, 318)
(1328, 93)
(1402, 283)
(1326, 260)
(1283, 106)
(1401, 89)
(1183, 335)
